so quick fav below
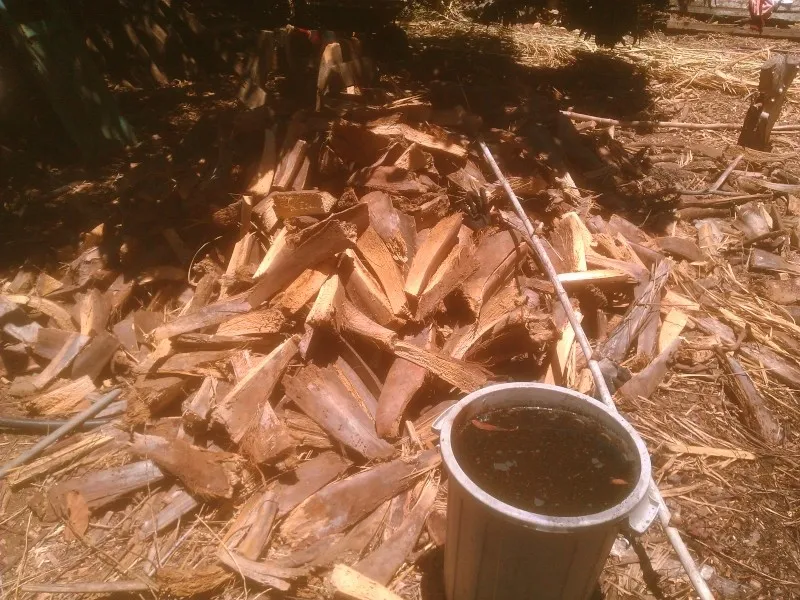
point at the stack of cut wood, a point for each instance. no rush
(377, 275)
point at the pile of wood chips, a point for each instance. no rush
(291, 395)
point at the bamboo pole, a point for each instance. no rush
(674, 536)
(669, 124)
(67, 427)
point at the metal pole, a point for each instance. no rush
(674, 536)
(73, 423)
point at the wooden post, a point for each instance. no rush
(777, 75)
(261, 62)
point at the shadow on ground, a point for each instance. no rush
(431, 586)
(483, 69)
(184, 122)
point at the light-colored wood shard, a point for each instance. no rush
(343, 503)
(203, 292)
(646, 381)
(162, 350)
(574, 240)
(361, 368)
(265, 174)
(304, 289)
(432, 252)
(397, 229)
(197, 407)
(46, 285)
(264, 216)
(208, 316)
(277, 247)
(330, 296)
(67, 399)
(352, 584)
(199, 362)
(414, 158)
(289, 165)
(263, 572)
(378, 257)
(672, 326)
(348, 318)
(425, 140)
(455, 268)
(327, 238)
(178, 505)
(59, 458)
(48, 342)
(501, 309)
(236, 411)
(302, 203)
(562, 365)
(60, 361)
(595, 277)
(624, 335)
(240, 258)
(382, 564)
(709, 451)
(356, 387)
(267, 438)
(465, 376)
(674, 300)
(258, 322)
(364, 290)
(94, 356)
(495, 257)
(101, 488)
(321, 394)
(757, 415)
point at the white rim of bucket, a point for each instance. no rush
(538, 521)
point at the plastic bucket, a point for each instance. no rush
(496, 551)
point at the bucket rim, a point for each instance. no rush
(538, 521)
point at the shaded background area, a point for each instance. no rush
(174, 70)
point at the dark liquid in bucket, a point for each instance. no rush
(547, 461)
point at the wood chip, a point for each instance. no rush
(353, 584)
(403, 381)
(455, 268)
(322, 396)
(708, 451)
(101, 488)
(332, 237)
(343, 503)
(297, 204)
(365, 291)
(429, 142)
(431, 253)
(382, 564)
(210, 475)
(64, 400)
(378, 257)
(56, 312)
(237, 409)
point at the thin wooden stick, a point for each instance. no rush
(89, 587)
(725, 174)
(67, 427)
(668, 124)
